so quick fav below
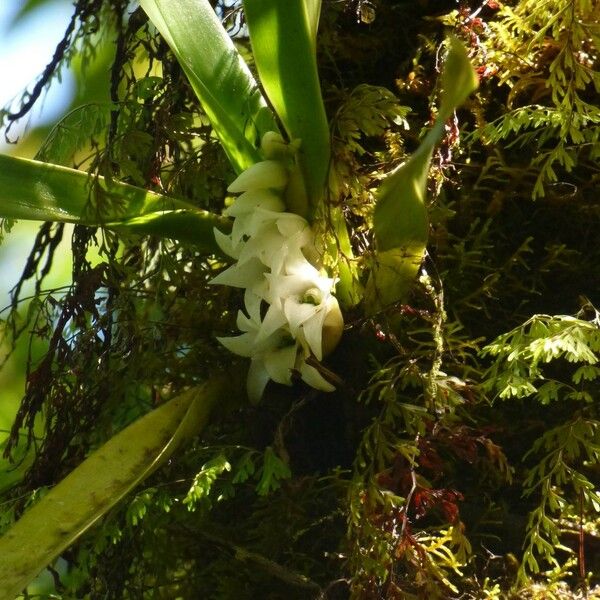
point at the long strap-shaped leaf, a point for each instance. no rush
(400, 221)
(96, 485)
(40, 191)
(217, 73)
(283, 37)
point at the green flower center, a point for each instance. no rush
(312, 296)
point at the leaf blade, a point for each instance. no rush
(97, 484)
(218, 74)
(283, 37)
(40, 191)
(400, 218)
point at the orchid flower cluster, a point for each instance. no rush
(290, 312)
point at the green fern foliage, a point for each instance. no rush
(520, 356)
(459, 456)
(553, 360)
(547, 53)
(562, 481)
(365, 113)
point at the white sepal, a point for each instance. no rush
(279, 364)
(313, 378)
(258, 377)
(226, 244)
(241, 276)
(261, 176)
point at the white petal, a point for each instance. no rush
(266, 245)
(275, 250)
(240, 275)
(260, 216)
(323, 331)
(243, 345)
(257, 381)
(251, 224)
(245, 324)
(298, 313)
(290, 224)
(241, 228)
(312, 377)
(262, 175)
(284, 286)
(279, 364)
(274, 319)
(313, 333)
(226, 244)
(248, 201)
(296, 261)
(259, 287)
(248, 324)
(252, 302)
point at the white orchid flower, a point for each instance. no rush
(273, 250)
(305, 299)
(273, 357)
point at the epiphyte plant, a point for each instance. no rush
(293, 304)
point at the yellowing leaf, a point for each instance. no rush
(97, 484)
(400, 220)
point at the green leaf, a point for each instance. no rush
(204, 480)
(97, 484)
(40, 191)
(218, 74)
(273, 472)
(313, 13)
(348, 289)
(400, 216)
(245, 468)
(400, 220)
(283, 37)
(459, 79)
(586, 373)
(393, 274)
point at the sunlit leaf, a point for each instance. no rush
(459, 79)
(283, 37)
(400, 220)
(97, 484)
(40, 191)
(218, 74)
